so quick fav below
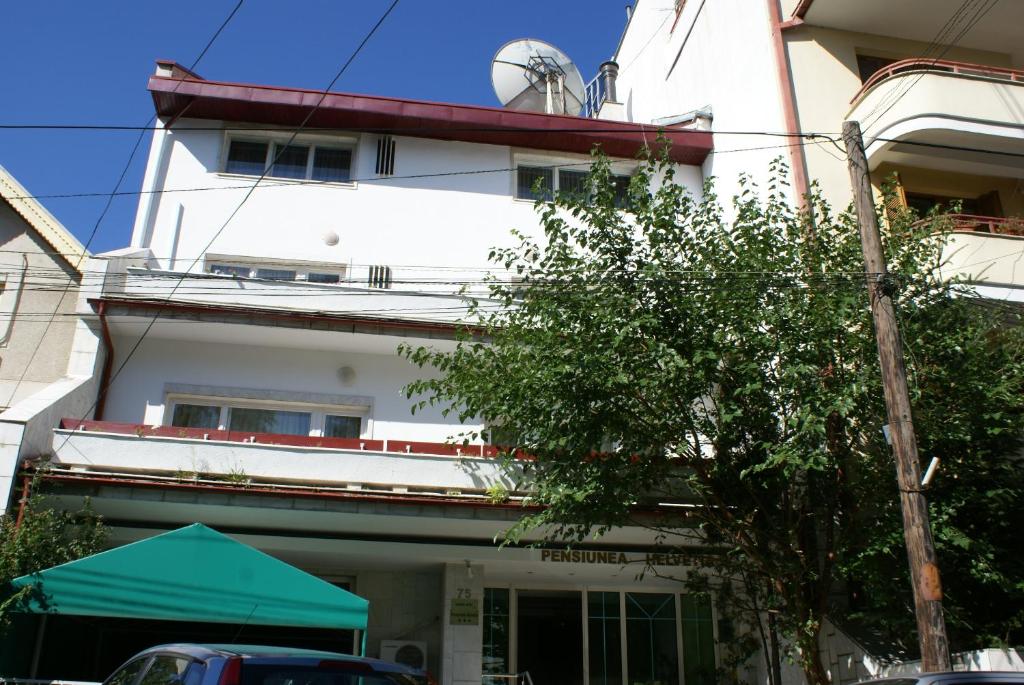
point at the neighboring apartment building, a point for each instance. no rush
(937, 85)
(265, 397)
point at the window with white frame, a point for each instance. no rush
(314, 161)
(265, 417)
(273, 270)
(541, 182)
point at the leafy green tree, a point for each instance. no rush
(658, 353)
(44, 537)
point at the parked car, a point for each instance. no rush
(953, 678)
(190, 664)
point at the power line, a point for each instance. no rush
(323, 96)
(972, 22)
(114, 193)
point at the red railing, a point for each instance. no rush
(359, 444)
(974, 223)
(918, 64)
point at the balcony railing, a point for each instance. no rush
(938, 65)
(973, 223)
(248, 437)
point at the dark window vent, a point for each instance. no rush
(380, 276)
(385, 156)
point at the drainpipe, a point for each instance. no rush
(26, 490)
(108, 363)
(797, 158)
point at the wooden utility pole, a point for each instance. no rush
(924, 571)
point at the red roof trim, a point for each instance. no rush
(279, 106)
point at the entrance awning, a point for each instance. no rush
(193, 574)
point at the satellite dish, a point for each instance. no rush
(534, 76)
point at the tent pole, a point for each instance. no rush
(362, 648)
(37, 651)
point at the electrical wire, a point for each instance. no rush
(114, 193)
(978, 16)
(234, 213)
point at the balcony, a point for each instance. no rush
(269, 460)
(985, 251)
(947, 116)
(918, 20)
(295, 296)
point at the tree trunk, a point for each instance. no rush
(810, 658)
(776, 657)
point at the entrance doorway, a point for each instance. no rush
(550, 636)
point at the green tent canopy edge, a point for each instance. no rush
(192, 574)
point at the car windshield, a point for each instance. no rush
(337, 673)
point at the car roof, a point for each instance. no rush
(204, 651)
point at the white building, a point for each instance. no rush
(247, 341)
(937, 85)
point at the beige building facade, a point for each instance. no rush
(40, 275)
(937, 86)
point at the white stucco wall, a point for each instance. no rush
(138, 393)
(717, 55)
(415, 218)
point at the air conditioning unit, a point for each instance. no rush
(405, 652)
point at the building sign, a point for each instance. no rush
(464, 612)
(579, 556)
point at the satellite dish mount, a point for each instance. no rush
(533, 76)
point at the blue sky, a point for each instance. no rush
(75, 62)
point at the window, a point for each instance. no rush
(604, 630)
(289, 161)
(230, 270)
(196, 416)
(572, 182)
(127, 674)
(263, 417)
(496, 632)
(651, 638)
(867, 66)
(269, 421)
(332, 164)
(534, 183)
(165, 670)
(245, 157)
(298, 161)
(278, 270)
(276, 274)
(698, 640)
(341, 426)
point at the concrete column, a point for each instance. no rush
(462, 651)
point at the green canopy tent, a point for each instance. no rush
(193, 574)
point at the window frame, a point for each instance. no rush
(274, 141)
(252, 267)
(317, 420)
(619, 169)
